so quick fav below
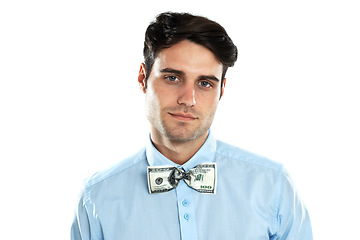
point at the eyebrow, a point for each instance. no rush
(181, 73)
(170, 70)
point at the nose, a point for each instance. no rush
(187, 96)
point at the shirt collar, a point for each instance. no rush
(205, 154)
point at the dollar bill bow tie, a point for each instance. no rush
(202, 178)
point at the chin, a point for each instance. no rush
(184, 135)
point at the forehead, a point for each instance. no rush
(190, 58)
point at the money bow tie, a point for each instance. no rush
(202, 178)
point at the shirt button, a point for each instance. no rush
(185, 203)
(187, 216)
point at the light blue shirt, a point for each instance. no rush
(255, 200)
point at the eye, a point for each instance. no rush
(172, 78)
(205, 84)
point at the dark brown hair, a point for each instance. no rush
(170, 28)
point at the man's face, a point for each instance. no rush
(182, 91)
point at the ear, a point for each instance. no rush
(223, 88)
(142, 77)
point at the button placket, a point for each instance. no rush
(186, 211)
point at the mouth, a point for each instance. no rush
(183, 117)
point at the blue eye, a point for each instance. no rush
(172, 78)
(205, 84)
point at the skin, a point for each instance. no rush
(182, 96)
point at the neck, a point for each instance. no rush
(178, 151)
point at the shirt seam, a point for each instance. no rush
(277, 202)
(90, 209)
(87, 197)
(276, 166)
(89, 184)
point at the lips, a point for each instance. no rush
(183, 116)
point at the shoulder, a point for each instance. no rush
(118, 169)
(233, 153)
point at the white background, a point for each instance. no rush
(70, 104)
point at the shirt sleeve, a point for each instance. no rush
(85, 225)
(80, 229)
(292, 217)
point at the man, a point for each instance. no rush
(185, 184)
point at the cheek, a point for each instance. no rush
(156, 100)
(212, 105)
(151, 104)
(208, 100)
(164, 97)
